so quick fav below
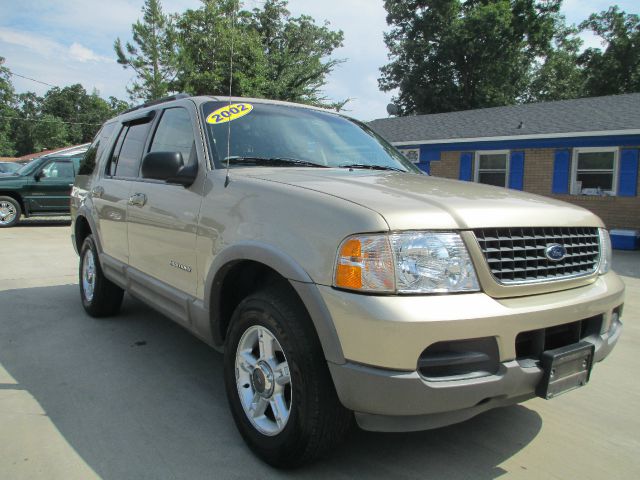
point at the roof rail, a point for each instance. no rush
(150, 103)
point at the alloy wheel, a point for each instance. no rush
(263, 380)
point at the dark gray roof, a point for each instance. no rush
(616, 112)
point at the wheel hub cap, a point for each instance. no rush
(263, 380)
(88, 275)
(7, 213)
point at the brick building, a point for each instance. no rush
(583, 151)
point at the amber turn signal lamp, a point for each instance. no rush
(349, 266)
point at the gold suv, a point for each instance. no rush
(341, 282)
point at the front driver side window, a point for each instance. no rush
(57, 169)
(174, 133)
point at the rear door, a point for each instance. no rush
(162, 218)
(111, 192)
(51, 188)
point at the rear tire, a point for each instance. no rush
(315, 420)
(10, 212)
(100, 296)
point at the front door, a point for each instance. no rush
(163, 218)
(51, 188)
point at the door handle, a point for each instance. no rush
(137, 200)
(97, 192)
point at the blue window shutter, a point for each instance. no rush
(516, 170)
(628, 182)
(561, 166)
(426, 157)
(429, 155)
(466, 166)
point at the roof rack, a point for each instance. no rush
(150, 103)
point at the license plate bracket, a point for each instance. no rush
(565, 369)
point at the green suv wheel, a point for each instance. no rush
(100, 296)
(10, 212)
(279, 388)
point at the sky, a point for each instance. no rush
(61, 42)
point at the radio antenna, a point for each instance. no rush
(233, 30)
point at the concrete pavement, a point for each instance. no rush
(137, 397)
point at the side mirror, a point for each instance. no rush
(169, 167)
(38, 176)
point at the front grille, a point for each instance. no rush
(517, 255)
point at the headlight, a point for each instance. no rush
(605, 251)
(411, 262)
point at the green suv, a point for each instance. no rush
(41, 187)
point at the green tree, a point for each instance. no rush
(151, 55)
(7, 111)
(559, 76)
(448, 55)
(275, 55)
(67, 104)
(67, 115)
(23, 127)
(116, 105)
(616, 69)
(205, 35)
(49, 132)
(83, 112)
(297, 54)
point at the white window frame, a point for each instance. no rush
(476, 169)
(574, 167)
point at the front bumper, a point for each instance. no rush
(383, 337)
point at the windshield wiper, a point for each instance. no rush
(372, 167)
(273, 161)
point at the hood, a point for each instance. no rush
(7, 178)
(414, 202)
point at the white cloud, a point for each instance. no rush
(55, 63)
(30, 41)
(84, 54)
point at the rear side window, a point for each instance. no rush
(127, 154)
(174, 133)
(95, 151)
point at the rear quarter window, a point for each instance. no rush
(96, 150)
(127, 154)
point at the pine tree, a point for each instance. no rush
(151, 55)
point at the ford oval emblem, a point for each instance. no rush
(555, 252)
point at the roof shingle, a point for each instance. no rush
(610, 113)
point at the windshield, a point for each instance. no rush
(29, 167)
(301, 136)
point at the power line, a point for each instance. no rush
(32, 79)
(46, 121)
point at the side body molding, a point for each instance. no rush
(286, 266)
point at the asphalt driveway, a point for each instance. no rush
(136, 397)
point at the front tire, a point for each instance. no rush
(278, 385)
(10, 212)
(100, 296)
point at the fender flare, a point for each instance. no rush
(84, 212)
(287, 267)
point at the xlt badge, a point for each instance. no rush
(179, 265)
